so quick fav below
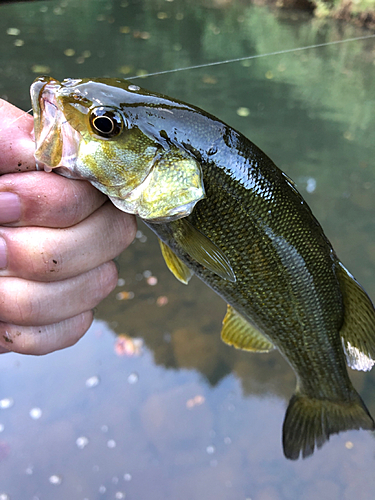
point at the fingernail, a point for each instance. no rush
(10, 207)
(3, 254)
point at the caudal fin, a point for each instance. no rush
(309, 422)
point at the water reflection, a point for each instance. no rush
(200, 420)
(184, 330)
(165, 436)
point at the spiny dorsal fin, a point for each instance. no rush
(203, 250)
(358, 329)
(175, 265)
(240, 333)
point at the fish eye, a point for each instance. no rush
(106, 122)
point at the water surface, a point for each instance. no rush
(186, 416)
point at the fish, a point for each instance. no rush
(222, 211)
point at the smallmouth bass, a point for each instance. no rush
(222, 210)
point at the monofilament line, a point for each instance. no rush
(256, 56)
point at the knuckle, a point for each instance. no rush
(33, 253)
(131, 228)
(76, 200)
(68, 210)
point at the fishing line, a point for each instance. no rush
(239, 59)
(16, 119)
(256, 56)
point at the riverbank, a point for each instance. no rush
(360, 12)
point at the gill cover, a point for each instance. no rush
(81, 131)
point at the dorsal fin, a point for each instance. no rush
(358, 329)
(243, 335)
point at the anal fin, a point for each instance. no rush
(358, 329)
(240, 333)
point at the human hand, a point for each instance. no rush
(57, 240)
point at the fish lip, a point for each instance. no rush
(56, 141)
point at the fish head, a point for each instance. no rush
(84, 131)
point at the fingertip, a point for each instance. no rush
(50, 200)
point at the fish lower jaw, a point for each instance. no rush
(150, 214)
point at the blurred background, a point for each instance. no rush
(151, 404)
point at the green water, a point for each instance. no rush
(191, 418)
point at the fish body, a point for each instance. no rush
(225, 212)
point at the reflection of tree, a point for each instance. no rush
(282, 94)
(185, 333)
(326, 88)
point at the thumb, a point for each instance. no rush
(16, 142)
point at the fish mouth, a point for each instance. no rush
(58, 136)
(57, 142)
(66, 144)
(61, 140)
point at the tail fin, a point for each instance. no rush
(309, 422)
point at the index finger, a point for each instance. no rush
(16, 143)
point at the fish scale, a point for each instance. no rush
(275, 309)
(225, 212)
(262, 265)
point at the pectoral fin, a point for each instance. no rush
(241, 334)
(202, 249)
(175, 265)
(358, 330)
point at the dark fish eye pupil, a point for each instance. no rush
(103, 124)
(106, 122)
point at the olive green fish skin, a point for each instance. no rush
(286, 271)
(285, 268)
(288, 280)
